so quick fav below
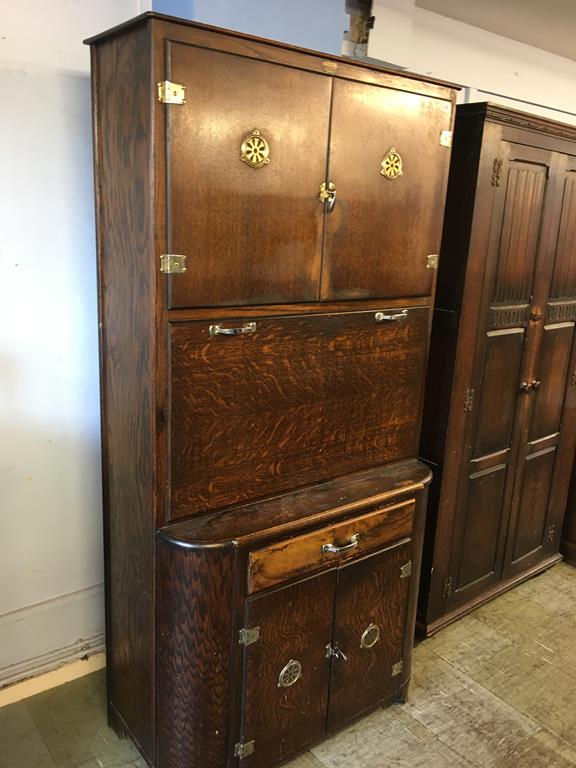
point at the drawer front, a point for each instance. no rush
(328, 546)
(290, 401)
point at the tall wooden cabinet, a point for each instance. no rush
(500, 415)
(268, 224)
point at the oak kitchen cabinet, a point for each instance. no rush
(500, 416)
(268, 224)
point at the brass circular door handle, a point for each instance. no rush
(290, 674)
(370, 636)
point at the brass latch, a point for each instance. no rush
(171, 93)
(244, 750)
(327, 195)
(446, 139)
(432, 261)
(172, 263)
(249, 636)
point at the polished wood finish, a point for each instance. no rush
(122, 140)
(499, 417)
(361, 259)
(276, 395)
(221, 451)
(278, 562)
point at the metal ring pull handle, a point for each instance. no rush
(218, 330)
(370, 636)
(382, 317)
(334, 550)
(290, 674)
(331, 202)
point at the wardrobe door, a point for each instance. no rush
(246, 156)
(497, 399)
(286, 671)
(369, 619)
(389, 171)
(535, 524)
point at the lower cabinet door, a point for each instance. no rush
(286, 670)
(368, 637)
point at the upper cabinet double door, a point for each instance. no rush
(524, 363)
(287, 186)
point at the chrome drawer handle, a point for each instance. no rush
(330, 548)
(381, 317)
(218, 330)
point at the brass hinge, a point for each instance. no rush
(171, 93)
(406, 570)
(432, 261)
(249, 636)
(446, 138)
(447, 591)
(172, 263)
(469, 400)
(244, 750)
(398, 668)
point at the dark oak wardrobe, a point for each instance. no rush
(500, 415)
(268, 221)
(568, 541)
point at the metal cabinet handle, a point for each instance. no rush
(526, 386)
(382, 317)
(535, 384)
(327, 195)
(218, 330)
(335, 653)
(336, 550)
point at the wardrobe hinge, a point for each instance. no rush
(406, 570)
(469, 400)
(432, 261)
(447, 591)
(171, 93)
(446, 138)
(398, 668)
(172, 263)
(249, 636)
(243, 750)
(551, 534)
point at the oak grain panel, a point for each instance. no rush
(287, 559)
(371, 591)
(299, 401)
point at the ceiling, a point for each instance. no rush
(546, 24)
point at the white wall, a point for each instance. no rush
(492, 67)
(51, 597)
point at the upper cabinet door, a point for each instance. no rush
(246, 157)
(389, 171)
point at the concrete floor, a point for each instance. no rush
(497, 689)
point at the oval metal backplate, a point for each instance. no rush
(290, 674)
(370, 636)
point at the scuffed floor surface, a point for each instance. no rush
(496, 690)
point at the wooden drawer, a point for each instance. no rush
(328, 546)
(264, 405)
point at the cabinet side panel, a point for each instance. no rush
(196, 602)
(122, 127)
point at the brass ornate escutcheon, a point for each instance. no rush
(255, 151)
(370, 636)
(391, 165)
(290, 674)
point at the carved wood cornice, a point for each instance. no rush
(517, 119)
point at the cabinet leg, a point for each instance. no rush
(402, 695)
